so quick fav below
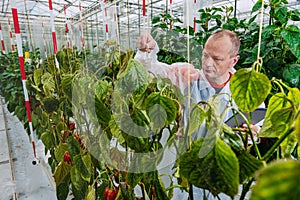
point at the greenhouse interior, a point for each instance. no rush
(150, 99)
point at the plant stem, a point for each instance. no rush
(246, 188)
(278, 142)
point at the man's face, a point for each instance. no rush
(217, 59)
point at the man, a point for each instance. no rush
(219, 57)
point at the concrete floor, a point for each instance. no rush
(31, 182)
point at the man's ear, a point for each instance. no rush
(235, 60)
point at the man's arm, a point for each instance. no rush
(178, 73)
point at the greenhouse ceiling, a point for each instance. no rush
(35, 11)
(90, 16)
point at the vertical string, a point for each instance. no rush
(23, 74)
(44, 39)
(104, 9)
(127, 15)
(66, 28)
(116, 23)
(171, 13)
(11, 36)
(195, 18)
(260, 28)
(29, 29)
(72, 34)
(258, 62)
(80, 25)
(2, 40)
(52, 27)
(188, 60)
(97, 28)
(53, 33)
(144, 14)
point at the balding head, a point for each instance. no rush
(234, 38)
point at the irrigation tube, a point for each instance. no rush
(23, 76)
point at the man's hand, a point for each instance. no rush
(145, 42)
(254, 130)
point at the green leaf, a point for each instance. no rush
(155, 20)
(288, 145)
(77, 181)
(268, 31)
(44, 119)
(256, 6)
(133, 78)
(281, 14)
(168, 106)
(295, 15)
(102, 112)
(81, 167)
(249, 89)
(116, 131)
(276, 102)
(291, 74)
(73, 146)
(294, 96)
(279, 114)
(48, 84)
(197, 117)
(50, 104)
(48, 140)
(37, 75)
(248, 165)
(88, 162)
(231, 138)
(66, 84)
(133, 179)
(218, 171)
(101, 89)
(62, 190)
(91, 193)
(61, 171)
(281, 120)
(291, 35)
(60, 151)
(297, 132)
(279, 180)
(81, 192)
(159, 189)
